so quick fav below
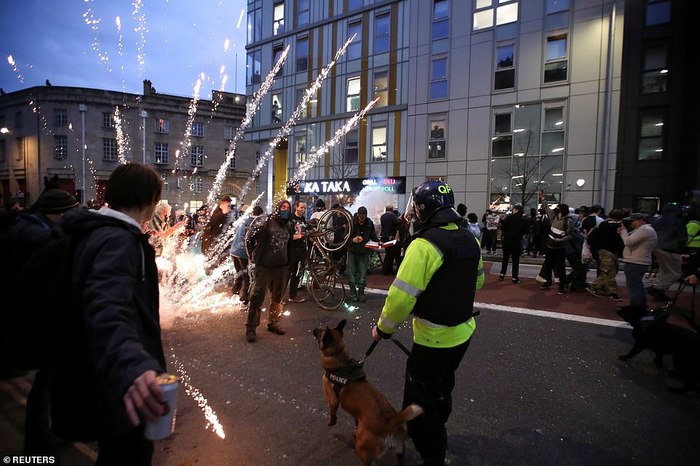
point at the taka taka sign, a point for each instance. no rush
(395, 185)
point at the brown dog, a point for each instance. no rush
(378, 426)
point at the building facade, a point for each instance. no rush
(80, 135)
(500, 98)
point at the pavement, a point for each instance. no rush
(525, 298)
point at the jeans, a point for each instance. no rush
(357, 269)
(634, 273)
(276, 280)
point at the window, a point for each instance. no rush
(505, 67)
(229, 132)
(502, 140)
(299, 149)
(355, 4)
(277, 51)
(276, 108)
(60, 147)
(198, 129)
(60, 117)
(107, 120)
(381, 33)
(109, 149)
(160, 153)
(655, 74)
(555, 6)
(162, 126)
(381, 88)
(302, 54)
(487, 12)
(197, 156)
(253, 67)
(232, 162)
(658, 12)
(299, 97)
(553, 131)
(556, 64)
(354, 50)
(441, 26)
(436, 144)
(254, 25)
(438, 78)
(353, 95)
(303, 12)
(379, 144)
(196, 185)
(278, 19)
(651, 144)
(166, 182)
(351, 147)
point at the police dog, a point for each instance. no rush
(378, 426)
(652, 331)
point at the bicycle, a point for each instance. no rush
(323, 283)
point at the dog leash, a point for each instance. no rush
(401, 346)
(361, 362)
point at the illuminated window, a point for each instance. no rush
(436, 144)
(300, 149)
(381, 88)
(353, 95)
(276, 108)
(655, 76)
(651, 142)
(278, 19)
(162, 126)
(109, 149)
(490, 12)
(553, 131)
(379, 144)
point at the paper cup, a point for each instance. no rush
(165, 425)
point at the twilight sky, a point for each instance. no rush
(81, 43)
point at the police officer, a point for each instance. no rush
(436, 283)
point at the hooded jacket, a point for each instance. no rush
(268, 240)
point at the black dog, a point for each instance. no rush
(650, 330)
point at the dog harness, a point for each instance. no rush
(342, 376)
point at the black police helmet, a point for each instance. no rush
(433, 202)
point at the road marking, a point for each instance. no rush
(536, 312)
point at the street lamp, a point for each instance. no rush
(144, 115)
(83, 110)
(4, 130)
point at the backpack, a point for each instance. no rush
(34, 333)
(474, 229)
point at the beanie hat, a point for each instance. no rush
(55, 201)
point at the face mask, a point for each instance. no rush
(284, 215)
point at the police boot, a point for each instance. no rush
(361, 295)
(353, 293)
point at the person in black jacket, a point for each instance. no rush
(358, 256)
(105, 387)
(267, 243)
(390, 223)
(605, 242)
(513, 228)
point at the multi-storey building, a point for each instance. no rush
(80, 135)
(659, 142)
(501, 98)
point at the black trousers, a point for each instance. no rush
(555, 260)
(241, 281)
(297, 263)
(430, 378)
(391, 256)
(132, 449)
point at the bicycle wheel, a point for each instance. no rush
(328, 291)
(334, 228)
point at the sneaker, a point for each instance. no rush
(516, 281)
(296, 299)
(540, 279)
(501, 276)
(276, 329)
(546, 286)
(615, 297)
(560, 292)
(250, 335)
(592, 291)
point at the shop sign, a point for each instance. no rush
(393, 185)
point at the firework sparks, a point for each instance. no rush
(209, 414)
(141, 31)
(94, 24)
(122, 138)
(13, 64)
(287, 128)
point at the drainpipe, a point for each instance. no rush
(607, 110)
(83, 110)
